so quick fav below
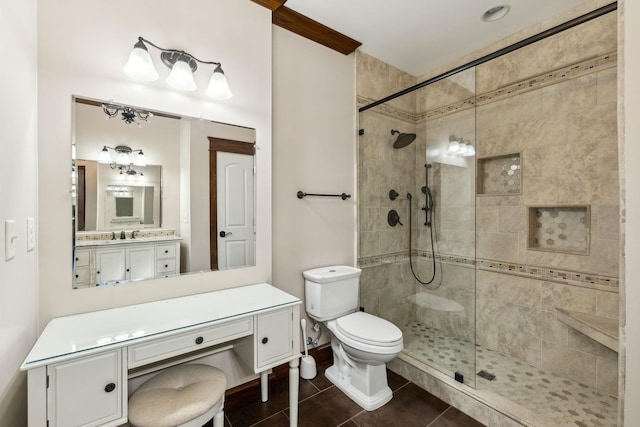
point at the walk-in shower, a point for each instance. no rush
(506, 233)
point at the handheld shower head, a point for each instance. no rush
(403, 139)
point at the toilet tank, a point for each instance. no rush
(331, 292)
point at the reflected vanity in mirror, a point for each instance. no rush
(158, 194)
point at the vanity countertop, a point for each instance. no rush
(127, 241)
(89, 332)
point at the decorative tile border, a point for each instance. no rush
(387, 110)
(539, 81)
(567, 277)
(549, 78)
(587, 66)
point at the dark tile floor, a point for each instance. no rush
(324, 405)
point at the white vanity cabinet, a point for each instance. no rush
(100, 262)
(78, 370)
(87, 391)
(139, 262)
(109, 265)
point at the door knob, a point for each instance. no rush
(225, 234)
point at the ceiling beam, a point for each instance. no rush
(308, 28)
(270, 4)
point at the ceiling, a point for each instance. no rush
(418, 36)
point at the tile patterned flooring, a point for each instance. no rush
(566, 402)
(323, 405)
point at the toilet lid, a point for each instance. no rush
(369, 329)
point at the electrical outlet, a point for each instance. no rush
(31, 234)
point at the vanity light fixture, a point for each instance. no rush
(123, 161)
(458, 147)
(182, 65)
(128, 114)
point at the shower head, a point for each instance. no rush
(404, 139)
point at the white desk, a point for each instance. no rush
(79, 367)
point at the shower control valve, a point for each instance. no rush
(393, 218)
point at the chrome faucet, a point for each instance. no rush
(122, 235)
(133, 233)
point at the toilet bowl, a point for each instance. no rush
(362, 343)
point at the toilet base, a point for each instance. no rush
(367, 402)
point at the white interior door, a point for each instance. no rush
(235, 188)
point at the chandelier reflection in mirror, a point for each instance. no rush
(182, 64)
(128, 114)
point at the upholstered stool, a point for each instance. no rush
(184, 395)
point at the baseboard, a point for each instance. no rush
(249, 392)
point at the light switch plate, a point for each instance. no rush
(10, 238)
(31, 234)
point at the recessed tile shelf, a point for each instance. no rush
(562, 229)
(601, 329)
(499, 175)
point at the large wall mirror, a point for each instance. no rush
(157, 194)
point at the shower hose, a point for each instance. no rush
(429, 205)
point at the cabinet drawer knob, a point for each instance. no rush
(77, 275)
(166, 266)
(109, 387)
(265, 340)
(166, 251)
(98, 272)
(76, 259)
(199, 340)
(128, 270)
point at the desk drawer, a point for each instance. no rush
(164, 348)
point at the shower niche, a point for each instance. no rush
(499, 175)
(562, 229)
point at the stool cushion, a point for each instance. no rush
(177, 395)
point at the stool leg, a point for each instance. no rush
(218, 419)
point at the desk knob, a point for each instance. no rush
(109, 387)
(265, 340)
(199, 340)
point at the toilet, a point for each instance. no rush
(362, 343)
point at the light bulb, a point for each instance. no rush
(218, 86)
(140, 160)
(105, 157)
(123, 159)
(181, 77)
(454, 147)
(140, 66)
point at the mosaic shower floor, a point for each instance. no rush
(566, 402)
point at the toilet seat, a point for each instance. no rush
(367, 332)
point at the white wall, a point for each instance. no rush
(82, 48)
(314, 134)
(18, 200)
(629, 14)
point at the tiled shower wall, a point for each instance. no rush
(554, 103)
(386, 286)
(561, 117)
